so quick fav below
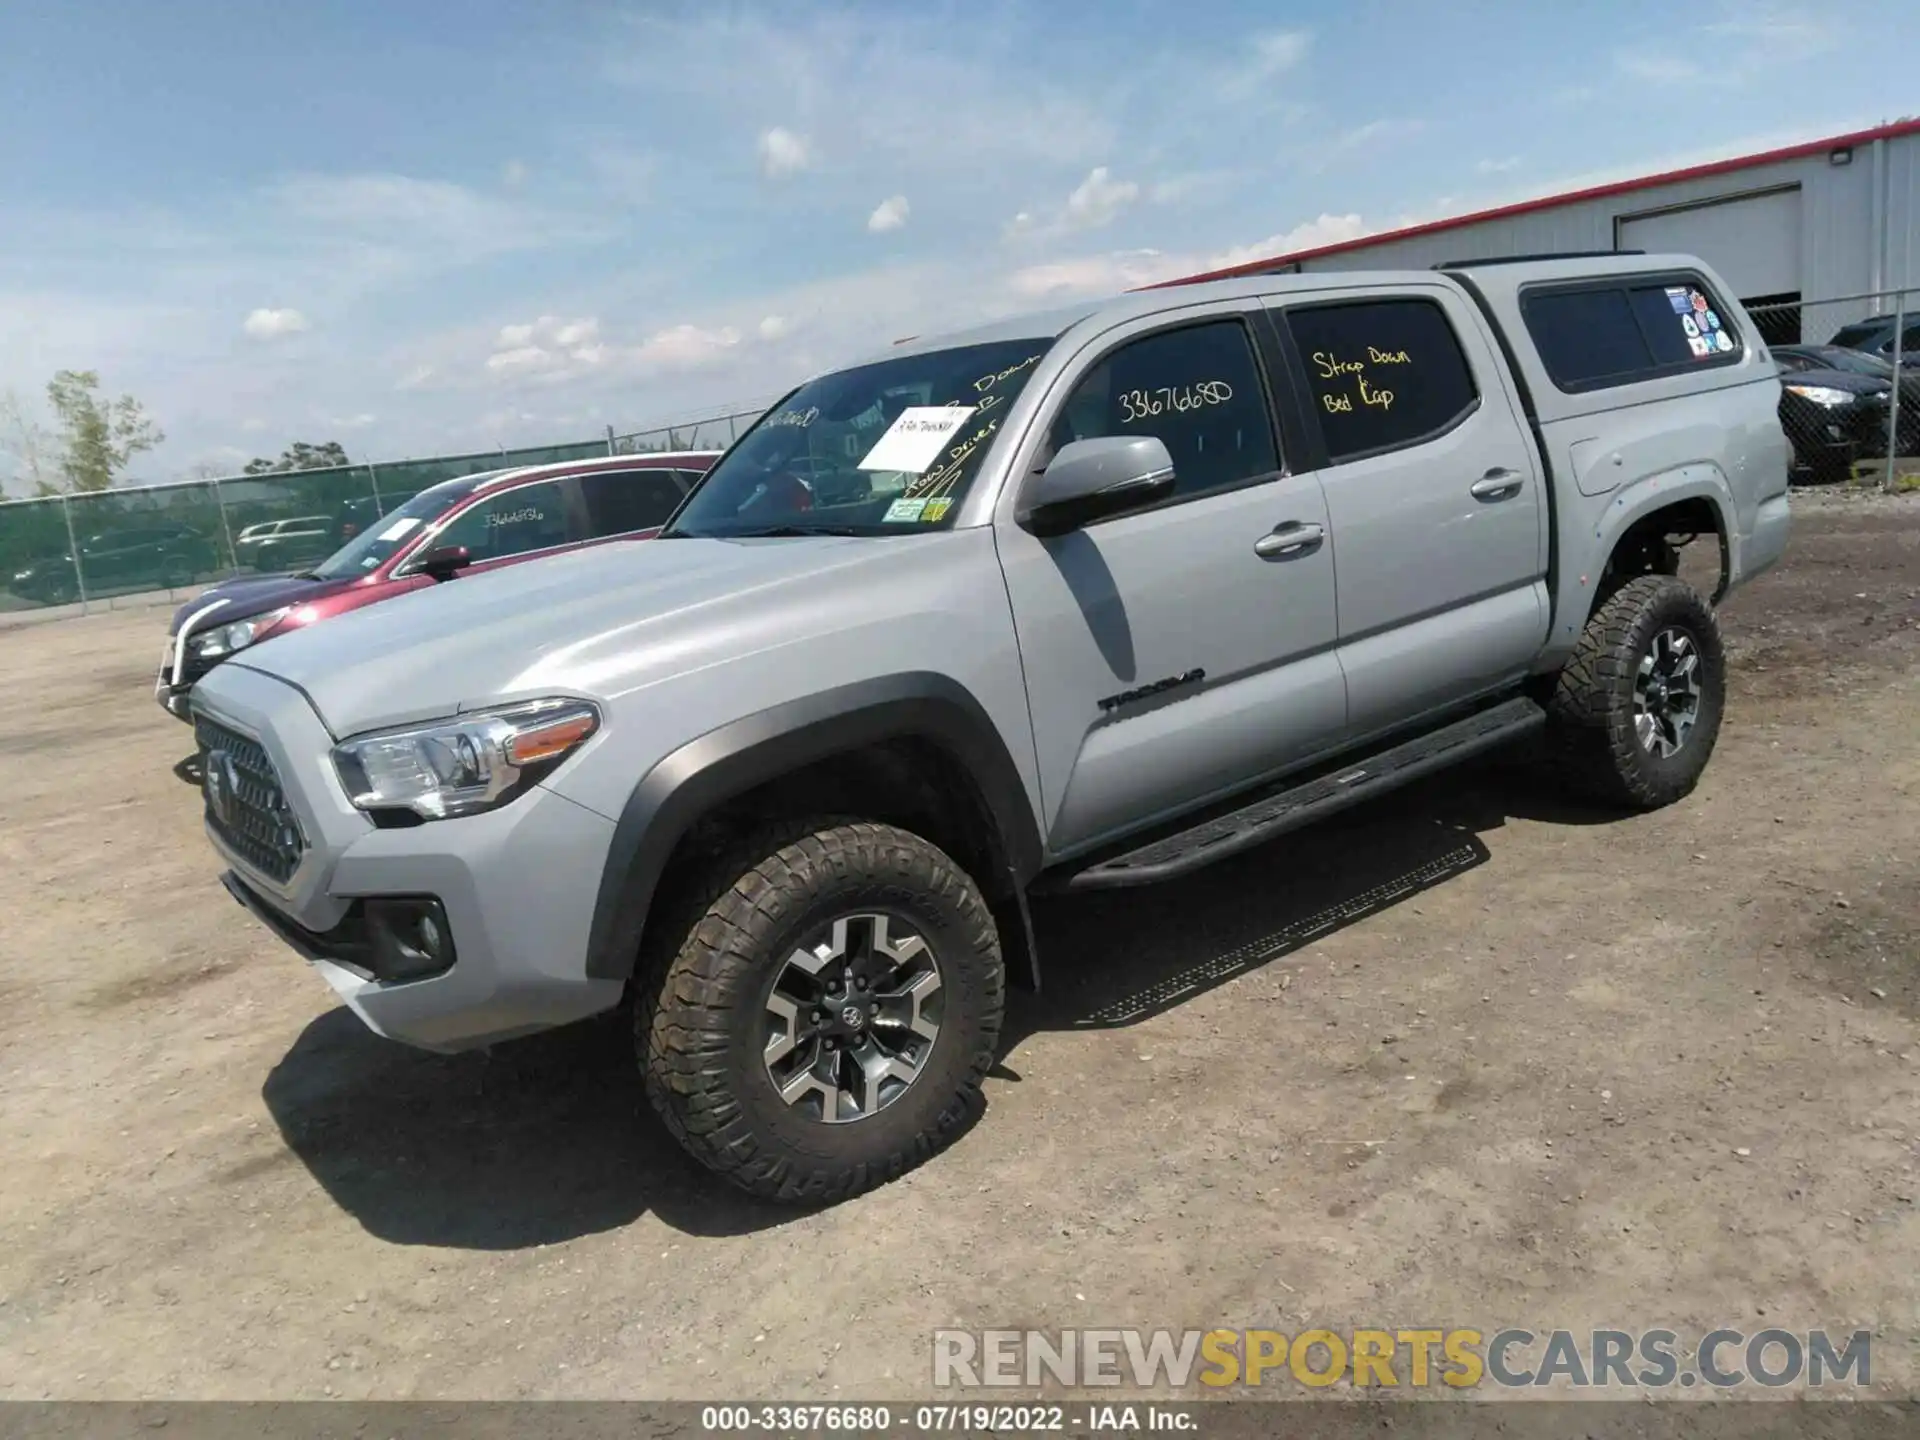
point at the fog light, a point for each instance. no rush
(409, 939)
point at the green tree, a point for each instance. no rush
(96, 438)
(301, 456)
(27, 447)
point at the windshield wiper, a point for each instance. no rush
(770, 532)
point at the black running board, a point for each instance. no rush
(1312, 800)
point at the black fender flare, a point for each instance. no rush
(748, 752)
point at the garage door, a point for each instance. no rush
(1754, 241)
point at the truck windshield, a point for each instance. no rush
(882, 449)
(373, 545)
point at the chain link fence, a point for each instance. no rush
(145, 543)
(1849, 386)
(715, 432)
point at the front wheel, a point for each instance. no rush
(1637, 709)
(819, 1018)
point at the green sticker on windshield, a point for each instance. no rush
(903, 510)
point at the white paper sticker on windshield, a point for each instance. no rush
(914, 441)
(398, 528)
(904, 509)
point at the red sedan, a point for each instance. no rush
(463, 526)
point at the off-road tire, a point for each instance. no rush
(1591, 735)
(708, 964)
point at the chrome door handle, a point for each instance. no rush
(1498, 483)
(1289, 540)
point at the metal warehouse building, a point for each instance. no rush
(1816, 235)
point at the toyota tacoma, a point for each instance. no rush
(1084, 599)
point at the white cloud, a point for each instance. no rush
(1087, 275)
(519, 359)
(513, 174)
(416, 377)
(889, 214)
(1496, 167)
(1268, 56)
(547, 345)
(267, 324)
(1736, 52)
(687, 346)
(354, 422)
(1327, 230)
(774, 327)
(1340, 149)
(782, 153)
(1095, 202)
(1099, 199)
(966, 106)
(1091, 275)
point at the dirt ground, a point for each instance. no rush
(1465, 1057)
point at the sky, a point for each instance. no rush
(428, 228)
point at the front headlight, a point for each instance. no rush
(1822, 394)
(225, 639)
(465, 765)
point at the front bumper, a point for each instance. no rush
(517, 887)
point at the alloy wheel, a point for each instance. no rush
(852, 1017)
(1666, 692)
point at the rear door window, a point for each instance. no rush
(1382, 374)
(619, 501)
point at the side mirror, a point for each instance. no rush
(1091, 480)
(443, 562)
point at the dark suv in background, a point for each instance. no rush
(159, 555)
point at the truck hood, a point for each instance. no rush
(596, 622)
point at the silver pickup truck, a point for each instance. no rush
(1083, 599)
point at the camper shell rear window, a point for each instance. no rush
(1622, 329)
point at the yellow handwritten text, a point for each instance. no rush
(987, 382)
(942, 477)
(1331, 368)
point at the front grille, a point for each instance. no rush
(245, 803)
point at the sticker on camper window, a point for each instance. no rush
(402, 526)
(914, 441)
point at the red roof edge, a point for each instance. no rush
(1548, 202)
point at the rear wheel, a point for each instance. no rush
(1636, 711)
(819, 1018)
